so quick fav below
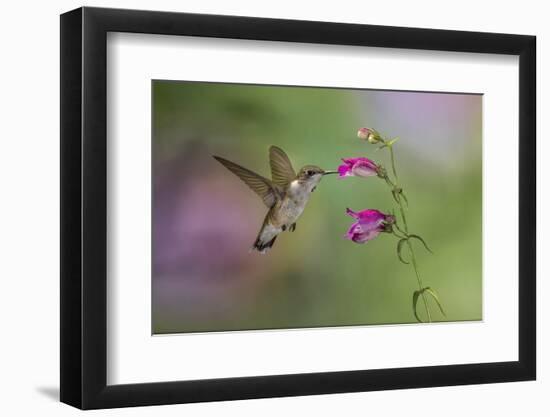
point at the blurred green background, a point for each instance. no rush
(205, 219)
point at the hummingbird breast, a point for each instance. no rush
(282, 215)
(291, 206)
(291, 210)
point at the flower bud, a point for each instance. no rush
(370, 135)
(363, 133)
(373, 138)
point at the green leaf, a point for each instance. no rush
(422, 240)
(399, 248)
(416, 294)
(436, 298)
(431, 292)
(404, 197)
(391, 142)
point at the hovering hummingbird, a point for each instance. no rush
(286, 194)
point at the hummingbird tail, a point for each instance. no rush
(262, 247)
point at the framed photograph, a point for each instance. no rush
(257, 208)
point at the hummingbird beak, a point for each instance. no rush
(330, 172)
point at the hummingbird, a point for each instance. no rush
(285, 195)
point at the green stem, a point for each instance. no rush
(398, 235)
(393, 163)
(420, 286)
(406, 227)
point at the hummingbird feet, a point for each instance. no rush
(290, 229)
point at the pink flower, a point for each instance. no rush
(370, 223)
(358, 167)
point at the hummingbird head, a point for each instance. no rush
(311, 175)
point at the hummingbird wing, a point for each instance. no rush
(269, 192)
(282, 172)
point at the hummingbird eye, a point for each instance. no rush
(310, 173)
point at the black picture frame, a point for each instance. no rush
(84, 207)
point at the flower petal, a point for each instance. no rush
(344, 171)
(365, 236)
(364, 169)
(358, 235)
(354, 230)
(353, 161)
(351, 213)
(371, 216)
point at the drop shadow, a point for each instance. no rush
(50, 392)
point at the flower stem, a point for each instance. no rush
(406, 227)
(392, 156)
(420, 286)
